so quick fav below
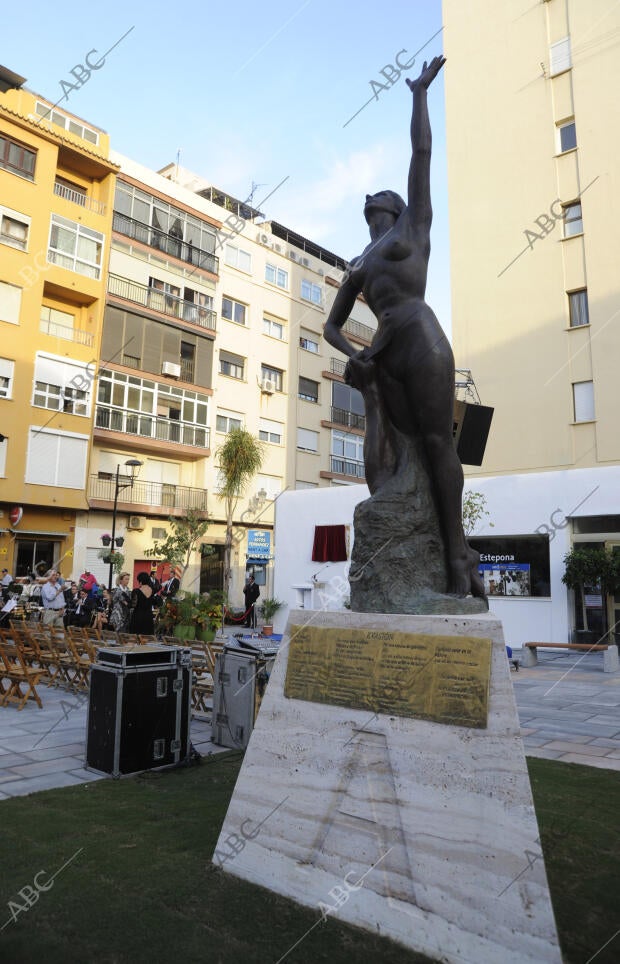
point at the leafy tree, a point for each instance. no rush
(474, 510)
(589, 567)
(177, 547)
(239, 457)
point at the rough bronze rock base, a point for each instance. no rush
(398, 563)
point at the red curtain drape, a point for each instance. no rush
(329, 544)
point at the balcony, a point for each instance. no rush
(340, 416)
(64, 331)
(346, 467)
(183, 497)
(357, 330)
(154, 238)
(77, 197)
(151, 427)
(156, 300)
(187, 370)
(336, 366)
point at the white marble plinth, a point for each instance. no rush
(423, 832)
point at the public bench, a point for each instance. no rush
(611, 664)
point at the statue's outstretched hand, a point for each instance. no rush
(428, 74)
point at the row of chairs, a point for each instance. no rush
(29, 654)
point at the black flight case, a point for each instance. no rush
(139, 709)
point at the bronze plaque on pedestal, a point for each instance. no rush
(428, 677)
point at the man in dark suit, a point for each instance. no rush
(251, 592)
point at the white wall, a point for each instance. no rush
(517, 505)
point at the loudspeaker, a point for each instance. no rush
(471, 431)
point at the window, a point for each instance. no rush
(6, 377)
(16, 158)
(559, 57)
(55, 117)
(175, 232)
(58, 385)
(272, 485)
(225, 421)
(583, 401)
(269, 431)
(56, 458)
(308, 390)
(75, 247)
(162, 295)
(309, 341)
(578, 308)
(276, 276)
(233, 311)
(140, 406)
(311, 292)
(238, 258)
(514, 565)
(274, 375)
(273, 328)
(573, 222)
(231, 365)
(10, 302)
(306, 485)
(347, 399)
(14, 228)
(307, 440)
(54, 322)
(567, 137)
(348, 446)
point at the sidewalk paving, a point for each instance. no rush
(569, 711)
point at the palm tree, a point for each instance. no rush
(239, 457)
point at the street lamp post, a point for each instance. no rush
(134, 467)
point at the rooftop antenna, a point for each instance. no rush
(253, 191)
(178, 159)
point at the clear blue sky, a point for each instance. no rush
(253, 92)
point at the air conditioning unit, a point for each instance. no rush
(278, 248)
(267, 386)
(321, 272)
(293, 255)
(137, 522)
(264, 239)
(305, 262)
(171, 368)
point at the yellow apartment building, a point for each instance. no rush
(534, 187)
(56, 202)
(214, 320)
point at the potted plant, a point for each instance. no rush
(269, 608)
(106, 538)
(596, 571)
(116, 558)
(186, 615)
(120, 541)
(209, 618)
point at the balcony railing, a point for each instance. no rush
(77, 197)
(347, 467)
(161, 301)
(358, 330)
(342, 417)
(336, 366)
(64, 331)
(187, 370)
(150, 493)
(167, 243)
(151, 426)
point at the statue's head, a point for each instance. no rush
(388, 201)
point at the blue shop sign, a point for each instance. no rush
(259, 543)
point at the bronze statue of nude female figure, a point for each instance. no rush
(407, 373)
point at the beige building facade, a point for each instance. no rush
(534, 184)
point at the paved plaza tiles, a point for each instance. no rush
(569, 711)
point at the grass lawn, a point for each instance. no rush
(143, 887)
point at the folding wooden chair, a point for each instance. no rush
(47, 656)
(18, 675)
(81, 663)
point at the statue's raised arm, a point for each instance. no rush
(419, 185)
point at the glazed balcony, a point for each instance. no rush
(341, 466)
(156, 427)
(340, 416)
(167, 243)
(156, 300)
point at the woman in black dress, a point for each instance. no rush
(142, 606)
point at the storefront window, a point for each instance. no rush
(514, 565)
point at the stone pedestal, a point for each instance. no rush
(421, 831)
